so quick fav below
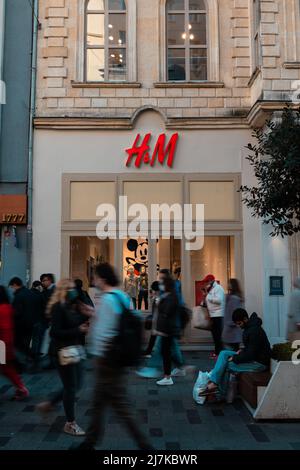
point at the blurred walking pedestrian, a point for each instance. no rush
(38, 324)
(68, 329)
(48, 285)
(167, 326)
(83, 295)
(24, 304)
(7, 336)
(110, 375)
(232, 334)
(151, 321)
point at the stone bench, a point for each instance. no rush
(249, 384)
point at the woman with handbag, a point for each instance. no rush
(232, 334)
(68, 329)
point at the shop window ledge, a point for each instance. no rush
(189, 85)
(106, 84)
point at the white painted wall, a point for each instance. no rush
(275, 263)
(208, 151)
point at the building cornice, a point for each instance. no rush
(261, 111)
(254, 118)
(92, 123)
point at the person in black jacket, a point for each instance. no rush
(25, 306)
(255, 357)
(38, 326)
(68, 328)
(167, 325)
(83, 295)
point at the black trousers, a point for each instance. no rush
(71, 377)
(216, 330)
(109, 391)
(166, 351)
(143, 295)
(150, 345)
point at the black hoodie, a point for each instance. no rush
(257, 346)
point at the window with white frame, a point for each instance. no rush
(256, 34)
(105, 40)
(186, 27)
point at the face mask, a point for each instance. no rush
(162, 287)
(72, 295)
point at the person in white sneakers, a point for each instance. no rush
(167, 325)
(215, 302)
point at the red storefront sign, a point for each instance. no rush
(162, 151)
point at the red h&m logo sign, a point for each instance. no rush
(162, 151)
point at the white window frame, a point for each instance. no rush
(131, 46)
(213, 48)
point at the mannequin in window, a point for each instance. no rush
(143, 288)
(130, 285)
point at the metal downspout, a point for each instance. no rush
(30, 140)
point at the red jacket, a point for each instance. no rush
(7, 330)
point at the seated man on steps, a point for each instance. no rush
(255, 357)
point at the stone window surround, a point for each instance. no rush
(255, 67)
(131, 44)
(291, 25)
(213, 48)
(213, 62)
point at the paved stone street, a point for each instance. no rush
(167, 414)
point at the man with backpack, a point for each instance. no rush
(115, 340)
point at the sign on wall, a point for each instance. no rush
(163, 151)
(276, 285)
(13, 209)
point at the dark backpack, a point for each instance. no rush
(127, 346)
(185, 315)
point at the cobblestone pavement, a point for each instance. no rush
(167, 414)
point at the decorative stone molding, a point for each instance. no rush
(189, 85)
(106, 84)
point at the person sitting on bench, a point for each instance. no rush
(255, 357)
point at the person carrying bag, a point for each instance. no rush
(68, 329)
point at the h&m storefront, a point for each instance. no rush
(76, 170)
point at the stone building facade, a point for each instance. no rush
(236, 85)
(90, 110)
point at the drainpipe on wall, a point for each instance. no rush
(30, 140)
(2, 29)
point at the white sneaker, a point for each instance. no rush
(178, 372)
(73, 429)
(165, 381)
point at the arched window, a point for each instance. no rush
(186, 28)
(106, 41)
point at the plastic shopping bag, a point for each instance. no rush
(200, 386)
(201, 319)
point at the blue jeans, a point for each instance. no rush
(220, 373)
(156, 360)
